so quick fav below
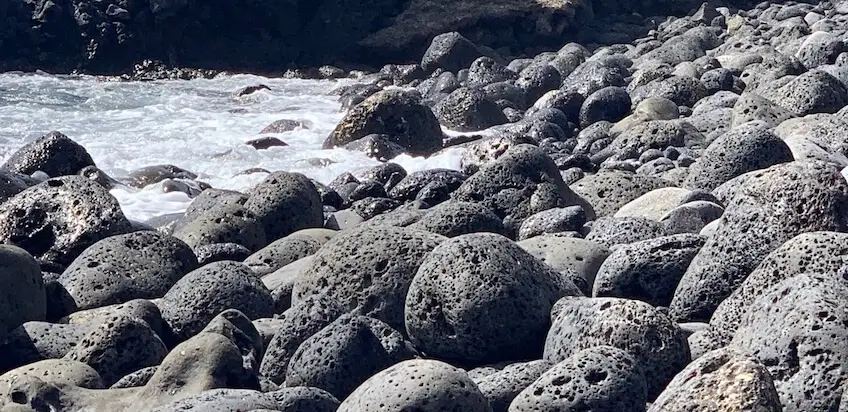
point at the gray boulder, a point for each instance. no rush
(612, 231)
(608, 190)
(502, 385)
(285, 203)
(467, 110)
(23, 297)
(452, 219)
(451, 52)
(556, 220)
(287, 250)
(54, 154)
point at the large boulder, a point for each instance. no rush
(480, 298)
(54, 154)
(58, 219)
(772, 206)
(22, 293)
(285, 203)
(399, 114)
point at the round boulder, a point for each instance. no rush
(23, 297)
(467, 110)
(285, 203)
(54, 154)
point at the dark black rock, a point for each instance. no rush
(285, 203)
(449, 51)
(54, 154)
(610, 103)
(408, 188)
(377, 146)
(467, 110)
(453, 219)
(225, 222)
(538, 79)
(285, 125)
(485, 71)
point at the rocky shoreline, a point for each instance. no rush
(654, 226)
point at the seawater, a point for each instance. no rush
(197, 125)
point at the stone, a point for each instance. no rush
(721, 380)
(377, 146)
(399, 114)
(304, 399)
(594, 75)
(58, 219)
(654, 134)
(556, 220)
(795, 330)
(265, 143)
(139, 309)
(771, 207)
(654, 204)
(648, 270)
(57, 372)
(657, 343)
(538, 79)
(609, 190)
(490, 149)
(205, 292)
(345, 354)
(286, 125)
(600, 378)
(451, 52)
(54, 154)
(812, 252)
(743, 149)
(512, 291)
(136, 379)
(408, 188)
(119, 346)
(23, 297)
(221, 400)
(35, 341)
(12, 183)
(521, 182)
(297, 324)
(815, 91)
(691, 217)
(612, 231)
(151, 175)
(387, 174)
(452, 219)
(420, 384)
(368, 271)
(816, 137)
(485, 70)
(217, 252)
(285, 203)
(140, 265)
(503, 385)
(227, 222)
(682, 90)
(569, 255)
(468, 110)
(610, 104)
(295, 246)
(751, 106)
(566, 101)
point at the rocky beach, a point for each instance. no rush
(569, 205)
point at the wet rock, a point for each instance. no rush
(368, 270)
(296, 325)
(21, 281)
(346, 353)
(813, 252)
(715, 382)
(609, 103)
(119, 346)
(449, 51)
(419, 384)
(556, 220)
(151, 175)
(520, 183)
(609, 190)
(512, 292)
(648, 270)
(377, 146)
(467, 109)
(117, 269)
(203, 293)
(285, 203)
(612, 231)
(287, 250)
(285, 125)
(264, 143)
(794, 329)
(54, 154)
(655, 341)
(453, 219)
(771, 207)
(502, 386)
(248, 90)
(96, 175)
(387, 174)
(598, 378)
(743, 149)
(399, 114)
(57, 219)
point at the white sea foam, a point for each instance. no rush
(190, 124)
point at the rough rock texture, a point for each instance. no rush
(772, 206)
(57, 219)
(609, 190)
(453, 219)
(521, 182)
(467, 110)
(287, 250)
(502, 386)
(612, 231)
(367, 270)
(601, 378)
(57, 371)
(479, 299)
(54, 154)
(398, 114)
(285, 203)
(648, 270)
(140, 265)
(346, 353)
(722, 380)
(569, 256)
(23, 297)
(202, 294)
(650, 336)
(822, 253)
(795, 329)
(419, 384)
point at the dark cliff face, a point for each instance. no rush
(109, 36)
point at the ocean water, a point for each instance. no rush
(197, 125)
